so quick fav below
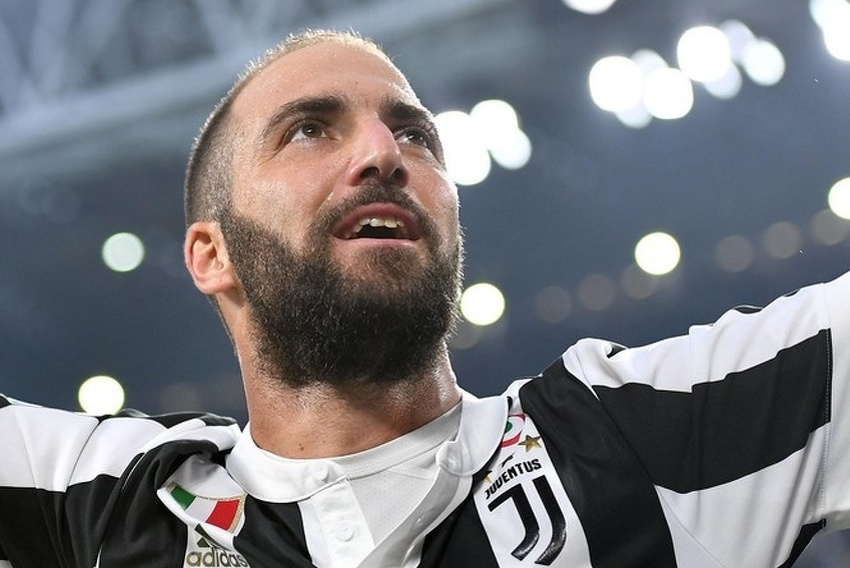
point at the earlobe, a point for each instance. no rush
(205, 255)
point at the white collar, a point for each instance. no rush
(482, 425)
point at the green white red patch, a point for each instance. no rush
(222, 513)
(513, 429)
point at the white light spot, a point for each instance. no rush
(833, 17)
(839, 198)
(498, 123)
(512, 150)
(836, 38)
(123, 252)
(467, 159)
(482, 304)
(739, 36)
(615, 83)
(704, 53)
(101, 395)
(734, 254)
(648, 61)
(668, 94)
(589, 6)
(635, 117)
(763, 62)
(657, 253)
(727, 86)
(494, 116)
(826, 13)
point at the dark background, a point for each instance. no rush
(100, 100)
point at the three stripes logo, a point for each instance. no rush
(204, 552)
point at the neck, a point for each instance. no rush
(320, 420)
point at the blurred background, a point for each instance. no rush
(626, 169)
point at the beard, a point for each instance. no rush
(312, 323)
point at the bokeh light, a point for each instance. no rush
(615, 83)
(657, 253)
(704, 53)
(467, 159)
(123, 252)
(734, 253)
(783, 240)
(668, 94)
(101, 395)
(482, 304)
(838, 198)
(597, 292)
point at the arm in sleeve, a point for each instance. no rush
(740, 424)
(59, 473)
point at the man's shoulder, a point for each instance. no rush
(83, 446)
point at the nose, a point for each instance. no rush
(376, 155)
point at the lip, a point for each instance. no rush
(351, 220)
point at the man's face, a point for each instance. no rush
(317, 127)
(344, 228)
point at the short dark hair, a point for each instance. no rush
(209, 178)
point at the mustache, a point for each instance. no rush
(377, 192)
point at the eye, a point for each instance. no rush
(418, 136)
(307, 130)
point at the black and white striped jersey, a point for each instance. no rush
(727, 447)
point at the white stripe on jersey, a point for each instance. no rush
(75, 448)
(750, 528)
(708, 352)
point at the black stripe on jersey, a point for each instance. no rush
(461, 537)
(724, 430)
(609, 489)
(173, 419)
(806, 534)
(273, 535)
(28, 528)
(459, 540)
(4, 402)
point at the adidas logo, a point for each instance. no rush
(208, 554)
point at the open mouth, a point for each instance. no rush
(378, 221)
(378, 228)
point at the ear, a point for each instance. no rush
(205, 255)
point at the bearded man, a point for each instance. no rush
(323, 227)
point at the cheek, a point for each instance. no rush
(286, 200)
(446, 207)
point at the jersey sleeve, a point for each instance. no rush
(62, 473)
(741, 424)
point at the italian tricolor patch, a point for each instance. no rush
(222, 513)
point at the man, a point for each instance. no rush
(323, 227)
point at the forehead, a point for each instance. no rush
(325, 68)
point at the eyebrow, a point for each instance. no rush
(401, 111)
(322, 105)
(325, 105)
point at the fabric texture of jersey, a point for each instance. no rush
(726, 447)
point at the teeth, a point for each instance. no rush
(388, 222)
